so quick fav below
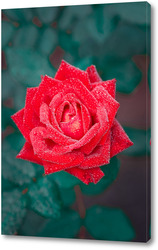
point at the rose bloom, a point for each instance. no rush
(69, 123)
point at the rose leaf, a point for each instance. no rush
(45, 198)
(67, 226)
(108, 224)
(13, 211)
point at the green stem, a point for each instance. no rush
(81, 210)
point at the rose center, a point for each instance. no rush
(71, 122)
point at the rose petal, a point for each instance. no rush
(88, 175)
(57, 136)
(29, 113)
(73, 128)
(93, 74)
(104, 127)
(67, 71)
(109, 86)
(56, 101)
(99, 157)
(51, 87)
(50, 167)
(86, 118)
(75, 86)
(58, 149)
(27, 153)
(43, 147)
(47, 89)
(18, 119)
(110, 104)
(119, 139)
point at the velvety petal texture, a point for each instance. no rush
(69, 123)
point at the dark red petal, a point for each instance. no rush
(99, 157)
(86, 118)
(73, 128)
(119, 139)
(109, 86)
(109, 103)
(93, 74)
(27, 153)
(56, 101)
(58, 149)
(56, 136)
(50, 87)
(50, 167)
(47, 89)
(43, 145)
(67, 71)
(88, 175)
(85, 96)
(18, 119)
(29, 110)
(104, 127)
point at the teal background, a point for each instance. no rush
(115, 38)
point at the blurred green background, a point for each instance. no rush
(115, 38)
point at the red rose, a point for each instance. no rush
(69, 123)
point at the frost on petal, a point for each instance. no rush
(27, 153)
(43, 145)
(30, 119)
(18, 119)
(50, 87)
(87, 175)
(56, 135)
(50, 167)
(119, 139)
(100, 156)
(110, 104)
(59, 149)
(109, 86)
(67, 71)
(47, 89)
(103, 129)
(85, 96)
(93, 74)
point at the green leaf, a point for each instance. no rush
(7, 185)
(20, 15)
(71, 14)
(64, 180)
(8, 85)
(13, 211)
(7, 32)
(15, 170)
(141, 140)
(68, 196)
(27, 66)
(67, 43)
(127, 74)
(26, 35)
(45, 198)
(47, 14)
(100, 25)
(108, 224)
(32, 224)
(48, 41)
(84, 63)
(131, 12)
(6, 120)
(127, 40)
(111, 171)
(67, 226)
